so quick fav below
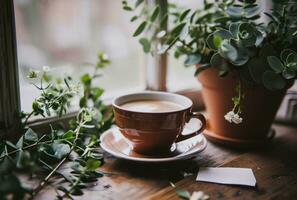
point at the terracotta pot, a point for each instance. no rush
(259, 109)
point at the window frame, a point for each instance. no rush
(155, 75)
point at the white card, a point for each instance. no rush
(227, 175)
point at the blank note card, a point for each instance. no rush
(227, 175)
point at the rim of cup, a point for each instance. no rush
(185, 102)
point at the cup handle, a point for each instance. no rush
(202, 119)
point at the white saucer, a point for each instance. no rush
(114, 143)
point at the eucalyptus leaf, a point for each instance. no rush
(140, 29)
(60, 150)
(178, 29)
(184, 15)
(146, 45)
(30, 135)
(22, 159)
(155, 14)
(275, 64)
(273, 81)
(192, 59)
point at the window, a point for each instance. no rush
(67, 34)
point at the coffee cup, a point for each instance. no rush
(153, 121)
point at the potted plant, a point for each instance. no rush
(245, 60)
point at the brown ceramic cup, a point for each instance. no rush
(155, 132)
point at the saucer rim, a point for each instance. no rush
(169, 159)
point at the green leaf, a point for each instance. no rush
(20, 143)
(92, 164)
(127, 8)
(184, 14)
(96, 93)
(183, 194)
(133, 18)
(30, 135)
(86, 79)
(23, 158)
(146, 45)
(228, 51)
(288, 73)
(201, 69)
(275, 64)
(285, 53)
(273, 81)
(163, 22)
(192, 59)
(217, 40)
(235, 12)
(138, 2)
(140, 29)
(178, 29)
(155, 14)
(216, 60)
(6, 165)
(292, 58)
(234, 29)
(222, 34)
(60, 150)
(257, 67)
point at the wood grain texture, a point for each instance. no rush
(275, 168)
(9, 85)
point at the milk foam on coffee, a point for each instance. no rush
(151, 106)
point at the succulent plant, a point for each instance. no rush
(229, 35)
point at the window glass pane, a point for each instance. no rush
(179, 76)
(67, 34)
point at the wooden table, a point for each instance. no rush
(275, 168)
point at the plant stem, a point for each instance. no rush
(46, 179)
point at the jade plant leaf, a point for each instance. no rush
(275, 64)
(228, 51)
(216, 60)
(273, 81)
(289, 73)
(214, 39)
(247, 34)
(234, 29)
(192, 59)
(234, 11)
(285, 53)
(257, 66)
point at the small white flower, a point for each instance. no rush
(199, 195)
(237, 119)
(46, 69)
(233, 117)
(161, 34)
(179, 44)
(229, 116)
